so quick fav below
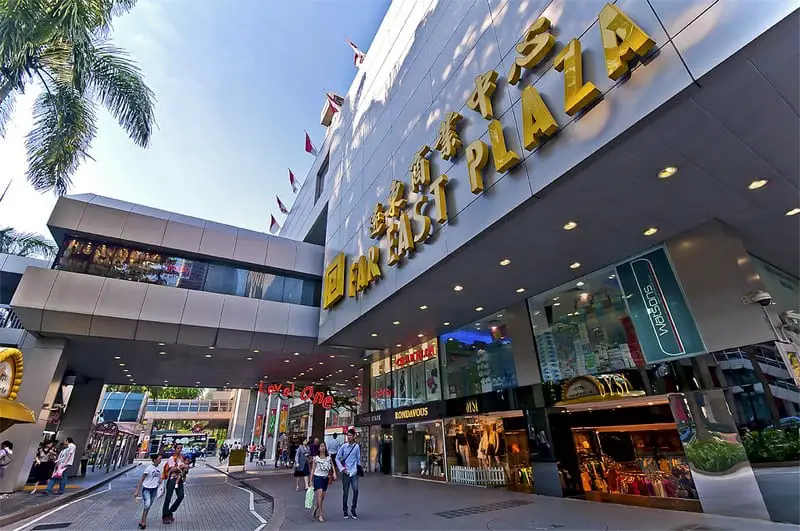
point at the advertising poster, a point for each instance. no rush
(273, 414)
(259, 424)
(283, 423)
(790, 358)
(661, 317)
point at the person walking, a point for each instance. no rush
(65, 459)
(44, 464)
(333, 447)
(6, 453)
(314, 447)
(148, 487)
(174, 472)
(301, 466)
(321, 468)
(348, 458)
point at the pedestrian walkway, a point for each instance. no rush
(389, 503)
(212, 502)
(21, 504)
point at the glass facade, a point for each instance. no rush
(478, 358)
(381, 385)
(190, 405)
(141, 265)
(584, 328)
(121, 407)
(415, 375)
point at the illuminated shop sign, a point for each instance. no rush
(318, 398)
(412, 356)
(405, 219)
(596, 389)
(429, 411)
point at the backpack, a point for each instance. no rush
(5, 459)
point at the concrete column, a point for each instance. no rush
(43, 370)
(365, 383)
(79, 417)
(317, 422)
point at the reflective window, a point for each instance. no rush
(137, 265)
(381, 385)
(415, 375)
(478, 358)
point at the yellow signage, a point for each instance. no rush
(411, 413)
(11, 411)
(623, 41)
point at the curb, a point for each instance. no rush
(27, 512)
(275, 521)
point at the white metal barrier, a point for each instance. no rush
(468, 475)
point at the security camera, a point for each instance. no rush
(758, 297)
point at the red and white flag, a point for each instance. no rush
(292, 181)
(273, 225)
(359, 56)
(335, 100)
(309, 146)
(281, 206)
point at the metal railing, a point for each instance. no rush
(189, 406)
(8, 319)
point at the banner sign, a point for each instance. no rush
(284, 419)
(661, 317)
(273, 415)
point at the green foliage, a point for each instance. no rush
(156, 393)
(63, 46)
(26, 244)
(714, 454)
(773, 446)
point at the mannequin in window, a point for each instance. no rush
(483, 448)
(462, 446)
(492, 446)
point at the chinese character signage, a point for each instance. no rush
(405, 219)
(661, 317)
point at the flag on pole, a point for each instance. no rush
(359, 56)
(281, 206)
(309, 146)
(335, 100)
(292, 181)
(6, 190)
(273, 225)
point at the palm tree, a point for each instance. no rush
(63, 46)
(26, 244)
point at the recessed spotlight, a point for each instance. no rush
(124, 370)
(340, 370)
(556, 304)
(166, 381)
(352, 365)
(197, 382)
(555, 298)
(249, 359)
(580, 283)
(396, 323)
(227, 383)
(121, 364)
(650, 231)
(117, 358)
(162, 353)
(612, 277)
(574, 265)
(332, 357)
(398, 345)
(208, 355)
(374, 334)
(296, 354)
(161, 344)
(321, 363)
(286, 361)
(256, 351)
(505, 262)
(446, 323)
(569, 225)
(423, 307)
(420, 335)
(667, 172)
(755, 185)
(478, 308)
(520, 290)
(210, 348)
(458, 287)
(302, 374)
(793, 212)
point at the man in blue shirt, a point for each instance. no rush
(348, 458)
(333, 448)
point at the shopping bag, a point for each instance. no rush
(58, 472)
(309, 498)
(162, 488)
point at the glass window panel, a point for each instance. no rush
(309, 297)
(381, 387)
(273, 288)
(191, 274)
(226, 280)
(292, 290)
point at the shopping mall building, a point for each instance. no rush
(551, 245)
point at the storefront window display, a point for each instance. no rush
(426, 450)
(495, 444)
(381, 385)
(478, 358)
(415, 373)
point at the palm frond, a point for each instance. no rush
(6, 109)
(118, 83)
(26, 244)
(64, 126)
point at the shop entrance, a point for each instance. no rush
(623, 453)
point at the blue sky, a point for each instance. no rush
(237, 83)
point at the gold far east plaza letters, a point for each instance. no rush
(623, 41)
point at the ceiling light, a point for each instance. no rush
(612, 277)
(121, 364)
(117, 358)
(373, 334)
(420, 335)
(256, 351)
(208, 355)
(569, 225)
(667, 172)
(302, 374)
(793, 212)
(162, 353)
(574, 265)
(499, 315)
(227, 383)
(505, 262)
(332, 356)
(423, 307)
(556, 304)
(478, 308)
(165, 381)
(249, 359)
(161, 344)
(352, 365)
(555, 298)
(755, 185)
(286, 361)
(580, 284)
(197, 382)
(321, 363)
(396, 323)
(296, 354)
(520, 290)
(311, 368)
(294, 378)
(210, 348)
(458, 287)
(124, 370)
(398, 345)
(650, 231)
(446, 323)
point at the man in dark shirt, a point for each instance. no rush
(314, 447)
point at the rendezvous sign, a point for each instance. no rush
(661, 317)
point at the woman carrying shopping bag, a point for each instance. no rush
(321, 468)
(301, 467)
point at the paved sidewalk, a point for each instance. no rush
(388, 503)
(212, 502)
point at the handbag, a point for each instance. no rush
(161, 489)
(309, 497)
(58, 472)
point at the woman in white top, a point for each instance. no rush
(148, 487)
(321, 468)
